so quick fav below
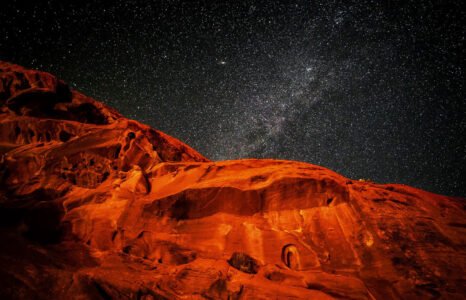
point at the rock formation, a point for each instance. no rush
(96, 206)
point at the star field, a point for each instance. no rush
(369, 89)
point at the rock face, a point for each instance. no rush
(96, 206)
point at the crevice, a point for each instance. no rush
(48, 138)
(290, 257)
(329, 200)
(116, 154)
(102, 291)
(17, 131)
(243, 262)
(460, 225)
(64, 136)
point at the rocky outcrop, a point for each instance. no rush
(93, 205)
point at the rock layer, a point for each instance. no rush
(93, 205)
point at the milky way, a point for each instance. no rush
(370, 89)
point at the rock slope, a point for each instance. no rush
(96, 206)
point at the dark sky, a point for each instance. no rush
(370, 89)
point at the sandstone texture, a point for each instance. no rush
(97, 206)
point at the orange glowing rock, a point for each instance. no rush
(96, 206)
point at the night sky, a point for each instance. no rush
(369, 89)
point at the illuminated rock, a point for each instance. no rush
(94, 205)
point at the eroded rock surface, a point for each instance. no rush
(93, 205)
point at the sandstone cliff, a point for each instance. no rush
(96, 206)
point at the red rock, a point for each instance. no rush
(93, 205)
